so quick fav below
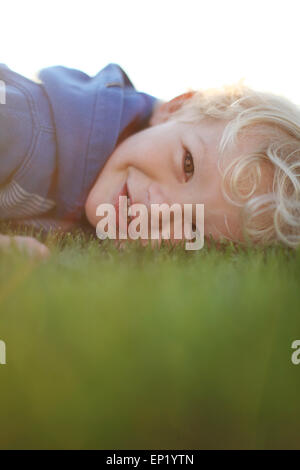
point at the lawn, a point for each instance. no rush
(149, 349)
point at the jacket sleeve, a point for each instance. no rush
(16, 125)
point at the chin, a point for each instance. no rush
(90, 208)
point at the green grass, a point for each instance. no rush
(149, 349)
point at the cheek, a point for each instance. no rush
(226, 224)
(144, 148)
(128, 153)
(90, 206)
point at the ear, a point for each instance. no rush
(162, 110)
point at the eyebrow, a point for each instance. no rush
(202, 154)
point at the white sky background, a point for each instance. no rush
(165, 46)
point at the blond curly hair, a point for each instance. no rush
(268, 216)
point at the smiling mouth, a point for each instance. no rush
(123, 192)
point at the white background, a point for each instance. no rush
(165, 46)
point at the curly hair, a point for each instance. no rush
(272, 215)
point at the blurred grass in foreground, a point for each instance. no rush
(149, 349)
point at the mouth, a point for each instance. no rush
(120, 210)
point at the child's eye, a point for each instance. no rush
(188, 164)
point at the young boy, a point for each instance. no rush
(235, 150)
(55, 137)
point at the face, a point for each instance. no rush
(171, 162)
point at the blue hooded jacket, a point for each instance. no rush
(56, 135)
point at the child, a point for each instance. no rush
(235, 150)
(55, 137)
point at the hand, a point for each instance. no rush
(29, 245)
